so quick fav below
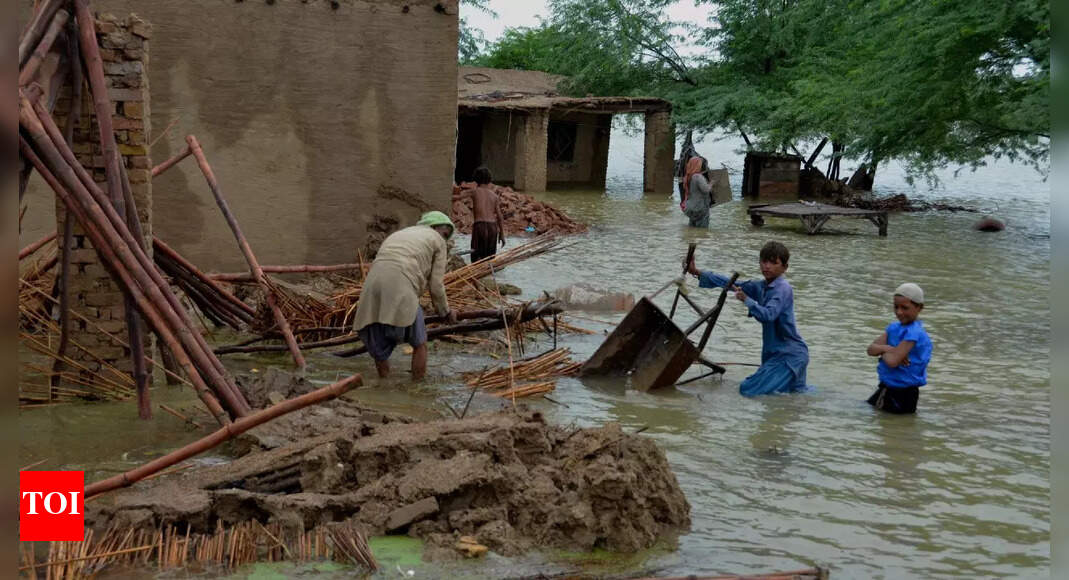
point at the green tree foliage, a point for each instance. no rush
(470, 41)
(928, 82)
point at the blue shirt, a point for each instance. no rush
(771, 304)
(915, 374)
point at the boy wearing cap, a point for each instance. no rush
(409, 261)
(904, 350)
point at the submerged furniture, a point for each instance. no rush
(815, 215)
(648, 347)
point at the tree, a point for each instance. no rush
(928, 83)
(470, 41)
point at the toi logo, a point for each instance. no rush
(51, 506)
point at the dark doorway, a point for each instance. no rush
(469, 147)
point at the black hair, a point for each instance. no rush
(482, 175)
(773, 251)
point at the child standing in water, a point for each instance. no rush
(770, 301)
(904, 350)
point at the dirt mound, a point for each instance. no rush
(508, 479)
(520, 212)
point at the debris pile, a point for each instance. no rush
(520, 211)
(813, 183)
(506, 480)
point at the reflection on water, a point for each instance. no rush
(788, 481)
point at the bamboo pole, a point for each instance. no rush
(108, 254)
(169, 309)
(73, 119)
(36, 28)
(33, 247)
(133, 321)
(171, 162)
(29, 69)
(294, 269)
(138, 263)
(98, 88)
(254, 265)
(224, 433)
(494, 324)
(162, 247)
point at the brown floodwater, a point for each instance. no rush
(779, 482)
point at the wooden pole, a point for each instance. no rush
(295, 269)
(127, 248)
(171, 162)
(254, 265)
(29, 69)
(160, 246)
(686, 264)
(30, 249)
(74, 117)
(98, 88)
(715, 314)
(493, 322)
(118, 268)
(133, 321)
(37, 28)
(226, 432)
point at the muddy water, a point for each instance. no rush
(787, 481)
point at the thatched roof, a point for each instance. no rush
(491, 88)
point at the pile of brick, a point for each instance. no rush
(522, 213)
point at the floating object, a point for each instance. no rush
(989, 224)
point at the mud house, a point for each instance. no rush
(306, 110)
(516, 123)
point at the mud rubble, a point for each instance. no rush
(508, 479)
(520, 212)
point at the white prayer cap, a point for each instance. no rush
(911, 291)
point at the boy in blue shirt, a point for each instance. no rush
(904, 350)
(784, 355)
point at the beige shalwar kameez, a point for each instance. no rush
(409, 262)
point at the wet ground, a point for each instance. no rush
(783, 482)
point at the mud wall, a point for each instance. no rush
(591, 159)
(304, 109)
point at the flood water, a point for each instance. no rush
(779, 482)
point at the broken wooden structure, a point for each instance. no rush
(770, 176)
(814, 215)
(650, 349)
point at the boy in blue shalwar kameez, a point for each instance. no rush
(784, 355)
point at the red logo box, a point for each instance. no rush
(51, 506)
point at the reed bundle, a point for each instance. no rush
(170, 547)
(552, 364)
(526, 390)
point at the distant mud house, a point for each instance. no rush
(517, 124)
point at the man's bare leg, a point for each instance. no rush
(383, 366)
(419, 361)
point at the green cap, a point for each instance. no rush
(437, 218)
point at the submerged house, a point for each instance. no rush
(517, 124)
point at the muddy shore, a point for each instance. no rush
(508, 479)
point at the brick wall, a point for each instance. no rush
(124, 49)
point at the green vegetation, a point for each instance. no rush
(929, 83)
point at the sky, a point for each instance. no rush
(516, 13)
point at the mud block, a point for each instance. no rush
(401, 517)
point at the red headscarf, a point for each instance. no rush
(694, 165)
